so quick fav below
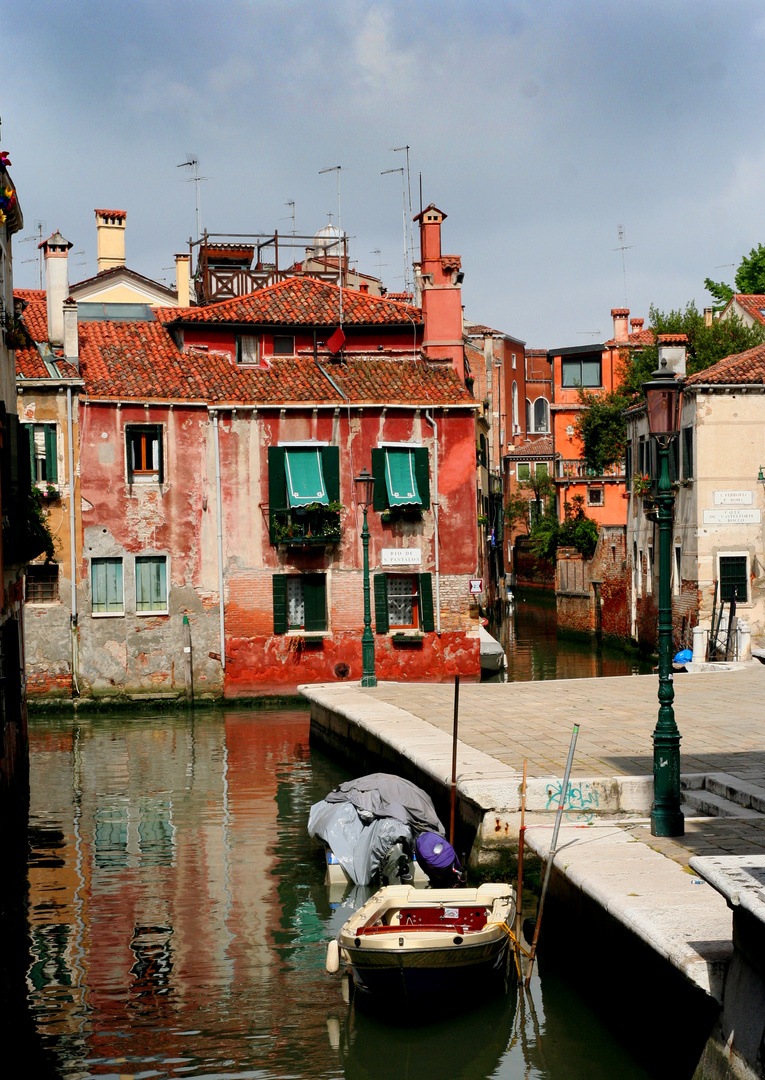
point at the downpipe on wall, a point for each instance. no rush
(219, 514)
(72, 539)
(433, 424)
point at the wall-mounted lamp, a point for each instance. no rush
(761, 477)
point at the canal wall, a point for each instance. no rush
(592, 595)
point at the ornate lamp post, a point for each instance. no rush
(365, 484)
(662, 396)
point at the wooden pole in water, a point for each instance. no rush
(551, 853)
(519, 886)
(454, 757)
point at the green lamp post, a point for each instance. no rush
(662, 396)
(365, 484)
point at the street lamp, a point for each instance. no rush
(365, 484)
(662, 395)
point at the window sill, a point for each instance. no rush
(163, 611)
(309, 635)
(407, 637)
(107, 614)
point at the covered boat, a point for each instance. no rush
(426, 946)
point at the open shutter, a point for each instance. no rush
(160, 455)
(380, 494)
(315, 600)
(277, 489)
(381, 603)
(330, 464)
(427, 623)
(422, 475)
(130, 451)
(51, 456)
(279, 583)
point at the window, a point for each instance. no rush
(687, 438)
(402, 477)
(523, 471)
(144, 452)
(628, 462)
(304, 494)
(41, 583)
(248, 349)
(677, 576)
(299, 602)
(106, 587)
(542, 469)
(151, 584)
(734, 578)
(44, 460)
(594, 496)
(580, 372)
(529, 416)
(284, 345)
(403, 602)
(649, 569)
(515, 407)
(541, 415)
(640, 573)
(513, 358)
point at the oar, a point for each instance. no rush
(454, 757)
(519, 886)
(551, 854)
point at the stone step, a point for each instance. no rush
(708, 804)
(737, 791)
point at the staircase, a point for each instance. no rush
(721, 795)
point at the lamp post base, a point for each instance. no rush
(667, 823)
(369, 680)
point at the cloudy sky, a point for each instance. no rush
(539, 127)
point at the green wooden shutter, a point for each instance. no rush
(422, 475)
(279, 583)
(160, 454)
(277, 489)
(381, 603)
(427, 623)
(380, 494)
(26, 431)
(315, 602)
(129, 449)
(330, 464)
(51, 456)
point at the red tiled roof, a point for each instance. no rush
(30, 365)
(35, 313)
(542, 447)
(299, 302)
(741, 368)
(112, 213)
(753, 304)
(140, 360)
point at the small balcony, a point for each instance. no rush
(576, 469)
(315, 525)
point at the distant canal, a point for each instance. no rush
(178, 921)
(529, 636)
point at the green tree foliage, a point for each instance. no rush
(532, 492)
(576, 530)
(750, 277)
(602, 429)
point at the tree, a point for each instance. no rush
(525, 506)
(577, 530)
(602, 429)
(750, 277)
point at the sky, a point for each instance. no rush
(540, 129)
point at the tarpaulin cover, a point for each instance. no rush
(435, 850)
(305, 478)
(381, 795)
(400, 479)
(359, 848)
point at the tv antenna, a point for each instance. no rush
(623, 247)
(338, 169)
(398, 150)
(403, 220)
(291, 217)
(38, 238)
(380, 263)
(196, 179)
(82, 262)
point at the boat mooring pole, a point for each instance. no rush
(551, 853)
(454, 757)
(519, 886)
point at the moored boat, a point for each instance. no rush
(424, 946)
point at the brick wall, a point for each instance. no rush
(578, 598)
(530, 570)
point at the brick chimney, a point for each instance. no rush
(56, 253)
(110, 235)
(672, 352)
(620, 315)
(440, 277)
(183, 279)
(636, 325)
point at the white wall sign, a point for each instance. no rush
(734, 498)
(731, 515)
(476, 586)
(401, 557)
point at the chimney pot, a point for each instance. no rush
(621, 318)
(71, 344)
(110, 238)
(183, 279)
(56, 253)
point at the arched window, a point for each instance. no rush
(541, 415)
(515, 406)
(529, 420)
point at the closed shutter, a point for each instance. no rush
(279, 583)
(380, 494)
(51, 456)
(427, 623)
(160, 455)
(330, 464)
(277, 491)
(381, 603)
(422, 475)
(315, 600)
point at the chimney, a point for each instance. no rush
(672, 352)
(182, 279)
(71, 344)
(364, 287)
(440, 280)
(56, 253)
(708, 316)
(637, 325)
(620, 315)
(110, 233)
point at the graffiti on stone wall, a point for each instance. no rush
(580, 803)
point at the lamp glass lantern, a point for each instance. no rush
(662, 395)
(365, 485)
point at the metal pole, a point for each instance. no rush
(666, 815)
(368, 677)
(454, 757)
(219, 516)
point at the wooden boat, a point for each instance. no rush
(426, 945)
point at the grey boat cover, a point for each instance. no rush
(362, 819)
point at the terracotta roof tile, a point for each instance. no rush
(741, 368)
(542, 447)
(299, 302)
(35, 313)
(753, 304)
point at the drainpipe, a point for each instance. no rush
(72, 537)
(433, 424)
(220, 543)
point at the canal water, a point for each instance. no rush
(529, 635)
(178, 922)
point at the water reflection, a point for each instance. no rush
(179, 920)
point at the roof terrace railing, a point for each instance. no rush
(576, 469)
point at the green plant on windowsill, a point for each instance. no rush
(50, 492)
(641, 485)
(401, 513)
(483, 520)
(315, 523)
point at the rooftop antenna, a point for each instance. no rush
(403, 193)
(291, 217)
(623, 247)
(82, 262)
(380, 263)
(396, 150)
(588, 333)
(338, 169)
(196, 179)
(40, 227)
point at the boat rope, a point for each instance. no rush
(517, 947)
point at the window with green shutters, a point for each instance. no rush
(106, 587)
(403, 602)
(43, 453)
(293, 520)
(383, 469)
(151, 584)
(299, 603)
